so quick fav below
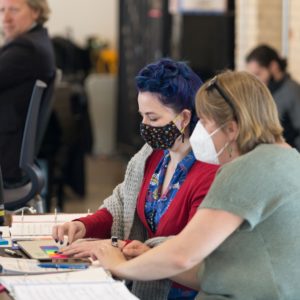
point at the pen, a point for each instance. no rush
(22, 218)
(12, 253)
(55, 215)
(63, 266)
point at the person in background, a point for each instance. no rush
(26, 56)
(265, 63)
(243, 242)
(163, 185)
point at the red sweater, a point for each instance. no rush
(180, 211)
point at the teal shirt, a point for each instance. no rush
(260, 260)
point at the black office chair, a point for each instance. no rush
(18, 197)
(1, 200)
(46, 108)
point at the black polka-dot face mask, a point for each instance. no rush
(160, 137)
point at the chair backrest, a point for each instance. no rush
(30, 130)
(27, 155)
(46, 107)
(1, 201)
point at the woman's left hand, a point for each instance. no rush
(108, 256)
(82, 248)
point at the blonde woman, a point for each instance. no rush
(245, 234)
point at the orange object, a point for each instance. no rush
(107, 61)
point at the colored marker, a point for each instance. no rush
(63, 266)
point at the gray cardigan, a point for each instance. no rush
(126, 224)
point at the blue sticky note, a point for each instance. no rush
(3, 242)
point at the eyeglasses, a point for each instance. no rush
(213, 83)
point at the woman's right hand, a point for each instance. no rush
(74, 230)
(134, 249)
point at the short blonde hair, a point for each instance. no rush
(42, 7)
(252, 106)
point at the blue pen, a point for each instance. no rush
(63, 266)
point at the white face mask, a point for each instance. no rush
(203, 145)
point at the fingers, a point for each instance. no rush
(55, 233)
(58, 232)
(135, 248)
(108, 256)
(133, 245)
(71, 232)
(83, 254)
(78, 253)
(132, 252)
(74, 230)
(76, 248)
(100, 251)
(81, 249)
(69, 251)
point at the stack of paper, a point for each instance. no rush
(29, 226)
(87, 291)
(91, 275)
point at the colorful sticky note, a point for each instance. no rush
(51, 251)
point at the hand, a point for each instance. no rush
(135, 248)
(83, 248)
(74, 230)
(108, 256)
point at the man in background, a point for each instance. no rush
(26, 56)
(270, 68)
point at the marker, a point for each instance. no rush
(64, 266)
(12, 253)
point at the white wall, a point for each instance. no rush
(294, 39)
(256, 22)
(84, 18)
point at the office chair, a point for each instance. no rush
(1, 200)
(18, 197)
(46, 108)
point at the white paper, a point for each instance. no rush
(91, 275)
(88, 291)
(5, 231)
(29, 229)
(39, 225)
(24, 266)
(46, 218)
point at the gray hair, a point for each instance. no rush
(42, 7)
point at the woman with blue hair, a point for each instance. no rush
(163, 184)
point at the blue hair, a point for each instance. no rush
(175, 84)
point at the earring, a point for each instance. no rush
(182, 134)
